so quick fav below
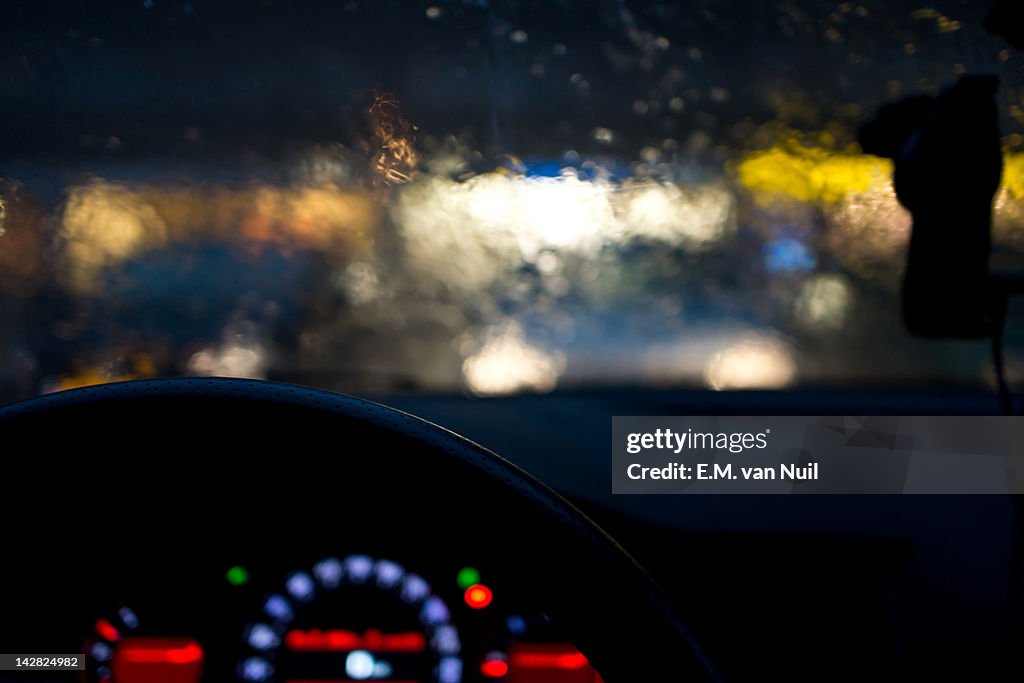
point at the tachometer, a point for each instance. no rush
(353, 619)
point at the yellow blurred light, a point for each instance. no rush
(322, 218)
(507, 364)
(104, 224)
(759, 362)
(142, 365)
(88, 377)
(809, 174)
(1013, 174)
(818, 174)
(868, 228)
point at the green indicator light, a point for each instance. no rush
(468, 576)
(237, 576)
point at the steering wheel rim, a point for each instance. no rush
(631, 633)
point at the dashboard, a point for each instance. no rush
(256, 616)
(207, 545)
(230, 530)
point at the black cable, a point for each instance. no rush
(998, 326)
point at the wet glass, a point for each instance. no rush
(492, 197)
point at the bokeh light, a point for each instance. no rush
(663, 211)
(753, 363)
(508, 364)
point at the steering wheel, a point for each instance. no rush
(180, 453)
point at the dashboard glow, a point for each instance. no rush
(317, 640)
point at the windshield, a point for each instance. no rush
(485, 196)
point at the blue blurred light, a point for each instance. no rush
(434, 612)
(516, 625)
(358, 568)
(788, 255)
(328, 572)
(388, 573)
(414, 589)
(544, 169)
(262, 637)
(278, 608)
(450, 670)
(256, 669)
(300, 586)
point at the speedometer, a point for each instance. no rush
(352, 619)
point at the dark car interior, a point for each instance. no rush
(316, 316)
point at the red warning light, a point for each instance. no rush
(549, 663)
(567, 661)
(107, 630)
(478, 596)
(157, 660)
(494, 668)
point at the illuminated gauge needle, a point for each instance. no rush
(361, 665)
